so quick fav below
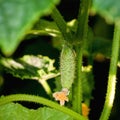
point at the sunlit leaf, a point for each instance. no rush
(30, 67)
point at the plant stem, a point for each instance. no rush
(77, 89)
(112, 74)
(81, 36)
(43, 32)
(83, 14)
(61, 25)
(46, 86)
(40, 100)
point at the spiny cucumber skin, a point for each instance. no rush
(67, 66)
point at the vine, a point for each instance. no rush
(40, 100)
(112, 74)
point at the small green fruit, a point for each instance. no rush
(67, 66)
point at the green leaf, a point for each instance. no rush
(17, 17)
(15, 111)
(30, 67)
(109, 9)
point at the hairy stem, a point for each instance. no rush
(77, 89)
(81, 36)
(112, 74)
(40, 100)
(57, 17)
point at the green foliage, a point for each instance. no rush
(16, 111)
(109, 9)
(30, 67)
(17, 17)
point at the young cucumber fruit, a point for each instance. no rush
(67, 66)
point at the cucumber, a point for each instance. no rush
(67, 66)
